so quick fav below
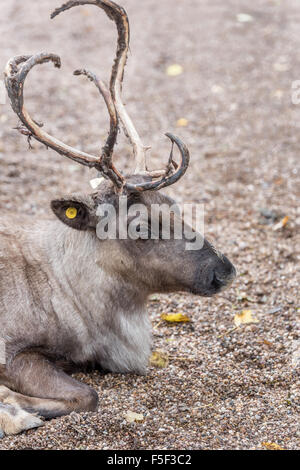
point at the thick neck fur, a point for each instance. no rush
(112, 311)
(85, 312)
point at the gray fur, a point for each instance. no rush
(66, 296)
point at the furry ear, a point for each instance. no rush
(76, 213)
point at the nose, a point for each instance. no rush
(223, 274)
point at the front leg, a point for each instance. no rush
(42, 388)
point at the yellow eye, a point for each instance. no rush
(71, 212)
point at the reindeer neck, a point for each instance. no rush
(78, 262)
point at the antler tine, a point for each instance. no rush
(119, 16)
(15, 74)
(168, 178)
(107, 167)
(104, 91)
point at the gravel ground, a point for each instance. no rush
(223, 387)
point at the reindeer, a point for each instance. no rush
(69, 300)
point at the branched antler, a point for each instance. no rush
(17, 70)
(15, 74)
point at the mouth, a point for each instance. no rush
(210, 292)
(216, 286)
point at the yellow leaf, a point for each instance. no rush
(175, 317)
(174, 70)
(132, 417)
(282, 223)
(272, 446)
(182, 122)
(159, 359)
(244, 317)
(285, 221)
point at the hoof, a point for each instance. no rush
(31, 421)
(14, 420)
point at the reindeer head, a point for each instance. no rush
(150, 260)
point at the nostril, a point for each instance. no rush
(216, 282)
(222, 279)
(229, 269)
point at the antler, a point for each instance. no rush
(17, 70)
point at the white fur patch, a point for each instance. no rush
(14, 420)
(96, 182)
(130, 349)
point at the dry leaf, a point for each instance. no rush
(281, 67)
(244, 18)
(278, 94)
(217, 89)
(132, 417)
(285, 221)
(242, 297)
(279, 181)
(268, 343)
(159, 359)
(272, 446)
(182, 122)
(175, 317)
(174, 70)
(282, 223)
(244, 317)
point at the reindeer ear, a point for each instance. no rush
(76, 214)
